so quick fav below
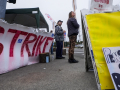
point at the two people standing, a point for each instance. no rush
(73, 27)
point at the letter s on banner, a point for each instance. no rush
(2, 30)
(1, 45)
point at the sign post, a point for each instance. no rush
(74, 6)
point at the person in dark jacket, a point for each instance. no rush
(73, 27)
(59, 38)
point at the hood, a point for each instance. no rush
(56, 25)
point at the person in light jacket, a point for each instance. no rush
(73, 27)
(59, 38)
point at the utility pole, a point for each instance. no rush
(2, 8)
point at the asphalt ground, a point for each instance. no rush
(56, 75)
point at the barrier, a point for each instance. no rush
(21, 46)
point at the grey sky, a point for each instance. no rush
(57, 9)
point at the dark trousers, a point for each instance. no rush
(52, 49)
(72, 40)
(59, 49)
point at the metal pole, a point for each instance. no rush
(2, 8)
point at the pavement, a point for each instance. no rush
(56, 75)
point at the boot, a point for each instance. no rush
(72, 61)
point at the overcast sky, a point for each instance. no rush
(57, 9)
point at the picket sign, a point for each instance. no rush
(21, 46)
(101, 5)
(112, 57)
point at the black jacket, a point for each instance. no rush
(73, 27)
